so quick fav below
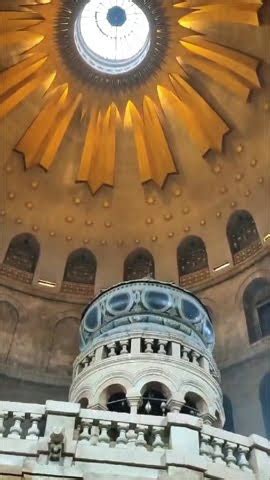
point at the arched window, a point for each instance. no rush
(9, 318)
(256, 302)
(228, 409)
(243, 236)
(114, 398)
(64, 345)
(80, 273)
(154, 399)
(21, 258)
(265, 403)
(192, 261)
(139, 264)
(194, 404)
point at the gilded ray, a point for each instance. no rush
(30, 49)
(102, 169)
(161, 159)
(43, 80)
(32, 140)
(58, 131)
(15, 75)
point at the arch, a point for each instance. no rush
(228, 410)
(154, 397)
(9, 318)
(23, 253)
(256, 303)
(243, 236)
(80, 272)
(113, 398)
(64, 345)
(265, 404)
(192, 261)
(139, 264)
(194, 404)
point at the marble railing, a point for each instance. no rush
(147, 345)
(62, 440)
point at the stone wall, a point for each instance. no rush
(38, 343)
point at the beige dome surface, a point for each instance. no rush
(172, 156)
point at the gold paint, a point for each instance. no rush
(150, 200)
(168, 216)
(27, 42)
(239, 148)
(108, 224)
(89, 223)
(238, 177)
(106, 204)
(154, 238)
(52, 234)
(253, 162)
(77, 201)
(247, 193)
(149, 221)
(34, 184)
(3, 213)
(8, 169)
(178, 192)
(68, 238)
(260, 180)
(11, 195)
(171, 234)
(186, 210)
(233, 204)
(18, 221)
(187, 229)
(35, 228)
(223, 189)
(218, 214)
(203, 222)
(69, 219)
(29, 205)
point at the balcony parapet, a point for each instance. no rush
(61, 439)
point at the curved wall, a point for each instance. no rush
(39, 342)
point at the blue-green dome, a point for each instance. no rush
(145, 303)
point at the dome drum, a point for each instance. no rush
(147, 305)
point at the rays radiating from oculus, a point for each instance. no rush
(31, 58)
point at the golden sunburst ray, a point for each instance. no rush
(39, 51)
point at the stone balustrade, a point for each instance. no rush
(147, 345)
(62, 440)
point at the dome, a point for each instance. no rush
(146, 304)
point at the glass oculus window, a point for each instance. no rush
(112, 36)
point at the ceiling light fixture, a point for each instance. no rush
(46, 283)
(222, 267)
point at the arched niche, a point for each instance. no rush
(113, 398)
(21, 257)
(9, 318)
(256, 303)
(228, 410)
(139, 264)
(192, 261)
(265, 403)
(64, 346)
(154, 397)
(80, 273)
(243, 236)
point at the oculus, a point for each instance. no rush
(112, 39)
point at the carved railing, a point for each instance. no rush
(247, 252)
(147, 345)
(80, 289)
(16, 274)
(60, 435)
(193, 278)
